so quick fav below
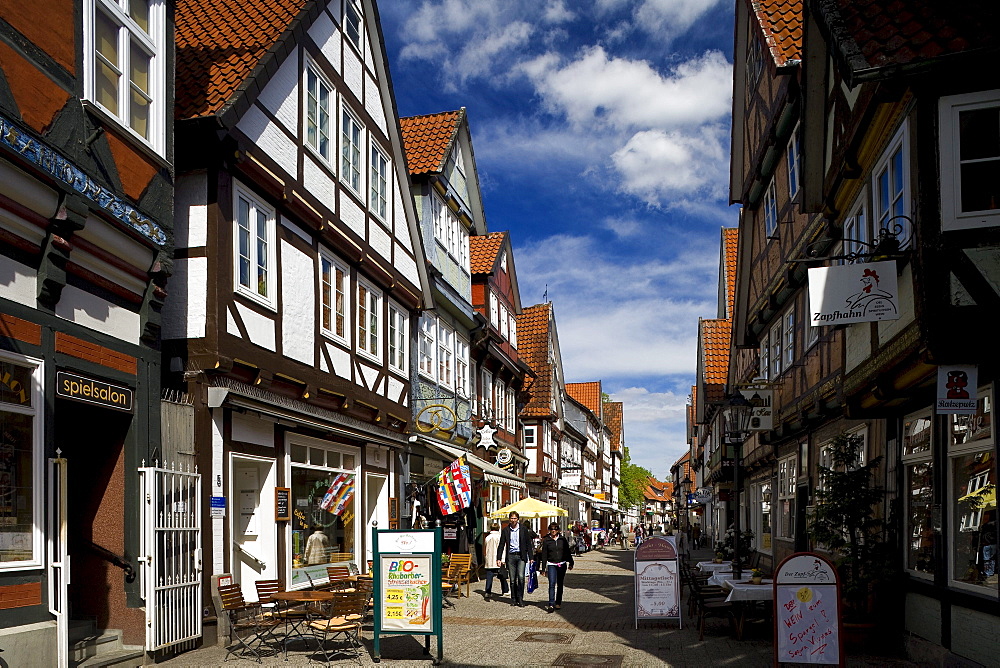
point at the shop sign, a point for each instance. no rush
(957, 389)
(505, 459)
(570, 478)
(90, 391)
(282, 504)
(657, 585)
(217, 506)
(703, 495)
(760, 399)
(807, 611)
(851, 293)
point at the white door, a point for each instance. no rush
(255, 553)
(376, 507)
(58, 556)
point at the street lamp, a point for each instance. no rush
(736, 414)
(685, 486)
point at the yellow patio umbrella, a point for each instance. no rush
(529, 508)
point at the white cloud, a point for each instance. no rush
(655, 427)
(669, 18)
(556, 12)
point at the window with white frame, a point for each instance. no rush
(319, 95)
(788, 337)
(891, 190)
(760, 514)
(970, 160)
(369, 319)
(461, 366)
(463, 247)
(770, 211)
(439, 218)
(495, 311)
(378, 200)
(971, 494)
(776, 349)
(425, 351)
(786, 497)
(857, 231)
(513, 330)
(503, 321)
(496, 498)
(21, 463)
(453, 233)
(511, 410)
(487, 394)
(499, 388)
(445, 351)
(254, 247)
(352, 22)
(763, 357)
(793, 154)
(528, 436)
(351, 141)
(124, 57)
(333, 296)
(398, 338)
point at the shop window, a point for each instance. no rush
(972, 498)
(21, 469)
(786, 497)
(324, 530)
(918, 489)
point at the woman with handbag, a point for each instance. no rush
(556, 558)
(492, 571)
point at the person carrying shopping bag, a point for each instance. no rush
(556, 558)
(498, 571)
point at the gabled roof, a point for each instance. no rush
(715, 340)
(872, 39)
(484, 250)
(220, 43)
(614, 418)
(781, 23)
(533, 348)
(730, 245)
(588, 394)
(428, 139)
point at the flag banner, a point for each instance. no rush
(339, 494)
(454, 487)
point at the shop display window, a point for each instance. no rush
(20, 464)
(324, 529)
(918, 495)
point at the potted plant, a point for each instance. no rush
(846, 523)
(756, 575)
(718, 556)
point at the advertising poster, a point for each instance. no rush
(807, 611)
(657, 585)
(406, 592)
(850, 293)
(957, 387)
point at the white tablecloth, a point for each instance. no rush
(743, 591)
(711, 566)
(719, 577)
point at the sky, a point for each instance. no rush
(601, 132)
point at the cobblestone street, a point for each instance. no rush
(595, 627)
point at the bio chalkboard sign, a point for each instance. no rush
(807, 611)
(282, 504)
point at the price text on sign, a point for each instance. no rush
(807, 624)
(395, 596)
(394, 613)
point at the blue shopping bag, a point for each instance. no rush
(532, 576)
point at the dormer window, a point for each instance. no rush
(124, 65)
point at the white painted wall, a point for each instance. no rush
(191, 211)
(184, 311)
(18, 282)
(298, 298)
(95, 313)
(259, 327)
(281, 94)
(252, 430)
(274, 142)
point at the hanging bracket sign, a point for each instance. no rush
(807, 626)
(657, 587)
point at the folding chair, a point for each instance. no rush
(339, 577)
(347, 610)
(246, 623)
(460, 572)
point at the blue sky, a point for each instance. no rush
(601, 131)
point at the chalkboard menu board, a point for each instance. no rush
(282, 504)
(807, 611)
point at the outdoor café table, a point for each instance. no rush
(745, 595)
(720, 577)
(711, 566)
(301, 596)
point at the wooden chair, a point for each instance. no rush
(271, 608)
(347, 610)
(459, 573)
(246, 623)
(339, 577)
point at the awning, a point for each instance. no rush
(491, 472)
(600, 504)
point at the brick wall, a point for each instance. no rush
(70, 345)
(20, 596)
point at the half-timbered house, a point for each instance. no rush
(85, 246)
(299, 274)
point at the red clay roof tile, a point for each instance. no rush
(781, 23)
(730, 238)
(588, 394)
(483, 250)
(427, 139)
(715, 338)
(219, 43)
(533, 348)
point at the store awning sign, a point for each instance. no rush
(97, 392)
(851, 293)
(956, 389)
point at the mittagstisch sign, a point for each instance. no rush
(97, 392)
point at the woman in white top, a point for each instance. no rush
(492, 569)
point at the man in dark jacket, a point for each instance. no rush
(516, 542)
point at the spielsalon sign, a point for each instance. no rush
(90, 391)
(851, 293)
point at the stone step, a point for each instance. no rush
(95, 645)
(126, 657)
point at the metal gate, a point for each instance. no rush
(170, 554)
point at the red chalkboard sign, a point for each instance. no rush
(807, 623)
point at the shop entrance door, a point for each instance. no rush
(58, 555)
(376, 507)
(255, 549)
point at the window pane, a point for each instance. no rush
(261, 254)
(916, 436)
(140, 99)
(981, 185)
(919, 507)
(16, 498)
(976, 427)
(974, 519)
(108, 71)
(138, 11)
(243, 220)
(327, 296)
(979, 133)
(15, 387)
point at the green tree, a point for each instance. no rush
(634, 480)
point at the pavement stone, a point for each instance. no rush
(597, 615)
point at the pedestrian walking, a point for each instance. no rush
(556, 558)
(516, 547)
(498, 571)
